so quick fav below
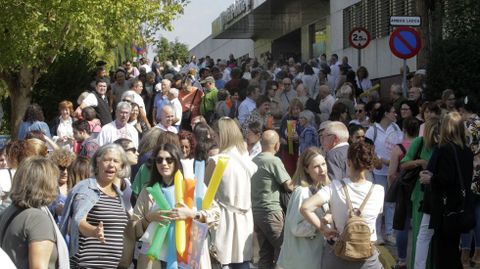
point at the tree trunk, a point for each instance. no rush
(20, 86)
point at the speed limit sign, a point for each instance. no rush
(359, 38)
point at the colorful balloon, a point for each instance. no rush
(180, 228)
(160, 233)
(215, 181)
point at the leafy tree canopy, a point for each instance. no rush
(173, 50)
(33, 32)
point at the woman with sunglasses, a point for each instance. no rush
(63, 158)
(167, 161)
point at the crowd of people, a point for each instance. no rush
(309, 146)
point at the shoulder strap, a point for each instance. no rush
(8, 222)
(362, 206)
(347, 197)
(195, 95)
(10, 173)
(419, 149)
(462, 187)
(374, 132)
(402, 148)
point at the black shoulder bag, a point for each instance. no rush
(405, 181)
(461, 220)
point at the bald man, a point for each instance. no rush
(270, 179)
(167, 116)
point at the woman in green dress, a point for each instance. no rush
(421, 235)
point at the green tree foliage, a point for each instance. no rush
(33, 33)
(66, 79)
(173, 50)
(455, 57)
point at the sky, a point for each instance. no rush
(196, 23)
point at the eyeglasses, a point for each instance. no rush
(358, 110)
(169, 160)
(62, 168)
(132, 150)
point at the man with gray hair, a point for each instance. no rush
(160, 99)
(334, 142)
(396, 97)
(119, 128)
(166, 119)
(177, 107)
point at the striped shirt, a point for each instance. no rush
(93, 254)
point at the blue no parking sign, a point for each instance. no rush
(405, 42)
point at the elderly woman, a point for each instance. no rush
(62, 125)
(63, 158)
(167, 163)
(302, 246)
(232, 242)
(33, 120)
(260, 114)
(94, 214)
(30, 237)
(361, 157)
(290, 159)
(308, 136)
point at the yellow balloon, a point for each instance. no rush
(180, 228)
(180, 236)
(215, 181)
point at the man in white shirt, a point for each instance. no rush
(177, 107)
(119, 128)
(285, 96)
(248, 105)
(166, 119)
(145, 65)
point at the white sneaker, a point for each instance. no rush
(390, 239)
(380, 241)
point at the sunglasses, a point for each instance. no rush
(358, 110)
(169, 160)
(62, 168)
(132, 150)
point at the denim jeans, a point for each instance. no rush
(388, 208)
(402, 241)
(466, 238)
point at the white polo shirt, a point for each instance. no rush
(384, 141)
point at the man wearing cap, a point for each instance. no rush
(209, 100)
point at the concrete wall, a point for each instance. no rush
(377, 57)
(221, 48)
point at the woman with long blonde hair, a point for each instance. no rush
(233, 240)
(302, 245)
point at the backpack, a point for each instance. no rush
(354, 243)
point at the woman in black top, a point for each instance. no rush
(445, 175)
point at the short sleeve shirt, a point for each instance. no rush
(31, 225)
(266, 183)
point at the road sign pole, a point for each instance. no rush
(404, 78)
(359, 51)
